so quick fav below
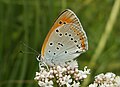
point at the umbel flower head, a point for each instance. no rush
(106, 80)
(68, 75)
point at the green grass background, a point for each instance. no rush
(29, 21)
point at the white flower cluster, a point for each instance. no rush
(106, 80)
(68, 76)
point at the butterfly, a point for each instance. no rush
(65, 41)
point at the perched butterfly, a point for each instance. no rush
(65, 41)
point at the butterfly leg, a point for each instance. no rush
(43, 65)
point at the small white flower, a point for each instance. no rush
(68, 85)
(83, 74)
(42, 76)
(93, 85)
(68, 75)
(48, 83)
(117, 80)
(60, 75)
(56, 75)
(86, 71)
(51, 71)
(106, 80)
(68, 67)
(75, 84)
(76, 70)
(71, 72)
(36, 78)
(59, 68)
(66, 80)
(55, 71)
(51, 76)
(37, 73)
(40, 83)
(64, 69)
(102, 85)
(110, 75)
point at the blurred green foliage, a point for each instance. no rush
(29, 21)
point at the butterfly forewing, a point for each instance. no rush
(65, 41)
(65, 17)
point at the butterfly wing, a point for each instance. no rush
(65, 40)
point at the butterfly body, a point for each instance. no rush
(65, 41)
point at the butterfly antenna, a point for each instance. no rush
(30, 48)
(27, 52)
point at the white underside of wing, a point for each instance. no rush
(63, 45)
